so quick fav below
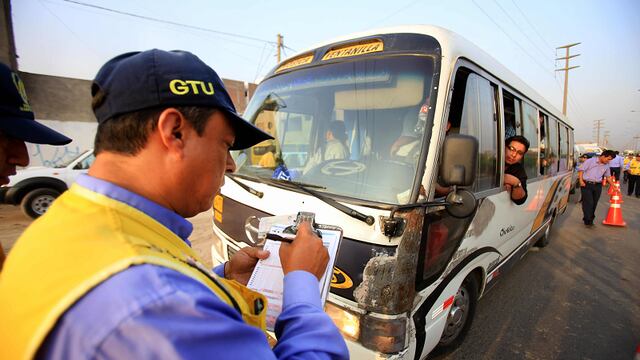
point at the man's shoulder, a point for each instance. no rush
(129, 294)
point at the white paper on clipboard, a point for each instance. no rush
(267, 277)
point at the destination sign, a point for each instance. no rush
(355, 50)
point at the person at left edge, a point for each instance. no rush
(17, 125)
(108, 271)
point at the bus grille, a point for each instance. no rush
(230, 251)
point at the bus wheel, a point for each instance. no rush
(460, 316)
(544, 240)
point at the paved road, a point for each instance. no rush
(13, 222)
(578, 298)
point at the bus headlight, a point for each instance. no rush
(386, 334)
(347, 322)
(382, 333)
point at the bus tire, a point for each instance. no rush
(460, 316)
(544, 240)
(37, 201)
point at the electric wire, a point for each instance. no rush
(531, 25)
(521, 31)
(511, 38)
(148, 18)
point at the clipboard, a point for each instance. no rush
(267, 277)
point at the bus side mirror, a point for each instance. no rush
(459, 160)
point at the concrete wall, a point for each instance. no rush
(64, 104)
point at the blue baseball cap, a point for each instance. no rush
(16, 116)
(141, 80)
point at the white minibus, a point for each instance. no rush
(398, 137)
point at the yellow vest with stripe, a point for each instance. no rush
(634, 167)
(82, 240)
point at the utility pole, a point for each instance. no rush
(566, 72)
(597, 125)
(280, 45)
(605, 140)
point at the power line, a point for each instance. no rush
(519, 29)
(95, 51)
(530, 24)
(512, 39)
(393, 13)
(148, 18)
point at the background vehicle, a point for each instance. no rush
(422, 109)
(35, 188)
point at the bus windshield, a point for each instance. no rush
(353, 128)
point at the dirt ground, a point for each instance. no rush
(13, 222)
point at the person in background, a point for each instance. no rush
(590, 175)
(515, 176)
(336, 147)
(633, 171)
(17, 125)
(627, 159)
(108, 272)
(615, 165)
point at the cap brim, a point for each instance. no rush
(247, 134)
(32, 131)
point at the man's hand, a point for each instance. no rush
(510, 180)
(240, 266)
(582, 183)
(306, 253)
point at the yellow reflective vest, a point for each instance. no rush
(82, 240)
(634, 167)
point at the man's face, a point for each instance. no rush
(13, 152)
(605, 159)
(206, 160)
(514, 152)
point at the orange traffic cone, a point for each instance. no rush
(614, 217)
(614, 190)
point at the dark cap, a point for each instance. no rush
(140, 80)
(16, 116)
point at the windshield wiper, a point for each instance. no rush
(248, 188)
(368, 219)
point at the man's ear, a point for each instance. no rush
(171, 128)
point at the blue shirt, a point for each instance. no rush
(617, 161)
(593, 170)
(149, 311)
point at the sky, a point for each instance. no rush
(73, 38)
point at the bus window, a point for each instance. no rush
(530, 131)
(512, 115)
(542, 120)
(552, 154)
(564, 148)
(476, 115)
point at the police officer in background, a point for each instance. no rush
(108, 271)
(17, 125)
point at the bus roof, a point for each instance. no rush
(454, 47)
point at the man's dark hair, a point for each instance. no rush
(609, 153)
(128, 133)
(519, 138)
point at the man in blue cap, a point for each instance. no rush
(17, 125)
(108, 271)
